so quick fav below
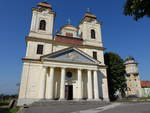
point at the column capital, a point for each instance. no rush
(79, 69)
(63, 67)
(45, 67)
(89, 69)
(95, 69)
(52, 67)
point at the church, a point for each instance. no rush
(66, 66)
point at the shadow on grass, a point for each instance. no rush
(7, 110)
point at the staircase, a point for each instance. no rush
(68, 102)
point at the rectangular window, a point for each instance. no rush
(95, 55)
(39, 49)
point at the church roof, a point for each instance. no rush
(69, 40)
(129, 58)
(71, 54)
(88, 17)
(68, 26)
(45, 5)
(145, 84)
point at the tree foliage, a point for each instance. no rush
(137, 8)
(116, 74)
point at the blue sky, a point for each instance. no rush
(121, 34)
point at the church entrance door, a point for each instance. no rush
(69, 92)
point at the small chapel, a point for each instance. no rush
(62, 66)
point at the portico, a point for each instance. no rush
(83, 79)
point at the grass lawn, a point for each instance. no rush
(7, 110)
(134, 99)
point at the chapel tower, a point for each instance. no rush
(133, 78)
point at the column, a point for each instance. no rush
(43, 82)
(89, 88)
(51, 83)
(62, 84)
(96, 89)
(79, 84)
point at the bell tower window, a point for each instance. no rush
(95, 55)
(42, 25)
(93, 34)
(39, 49)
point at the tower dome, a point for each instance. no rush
(44, 5)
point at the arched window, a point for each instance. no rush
(93, 34)
(42, 25)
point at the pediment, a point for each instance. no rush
(71, 55)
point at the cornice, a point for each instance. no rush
(60, 43)
(40, 61)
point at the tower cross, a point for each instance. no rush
(69, 21)
(88, 10)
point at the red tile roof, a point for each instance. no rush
(145, 83)
(70, 40)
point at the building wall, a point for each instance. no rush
(146, 92)
(30, 83)
(133, 84)
(32, 49)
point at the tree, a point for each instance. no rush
(115, 74)
(137, 8)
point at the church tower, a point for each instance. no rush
(42, 21)
(41, 30)
(90, 30)
(133, 78)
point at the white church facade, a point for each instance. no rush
(66, 66)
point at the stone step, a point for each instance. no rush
(50, 102)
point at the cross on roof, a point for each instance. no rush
(69, 21)
(88, 9)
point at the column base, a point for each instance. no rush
(97, 99)
(62, 99)
(90, 100)
(78, 99)
(106, 99)
(49, 100)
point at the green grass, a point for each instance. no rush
(7, 110)
(134, 99)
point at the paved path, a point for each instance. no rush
(120, 108)
(62, 108)
(130, 108)
(112, 108)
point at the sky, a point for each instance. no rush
(121, 34)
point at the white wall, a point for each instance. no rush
(145, 92)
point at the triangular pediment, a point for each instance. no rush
(70, 55)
